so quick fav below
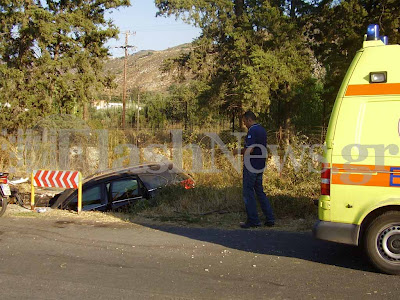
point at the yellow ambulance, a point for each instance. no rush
(360, 180)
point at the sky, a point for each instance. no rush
(151, 32)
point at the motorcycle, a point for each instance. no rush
(15, 194)
(5, 192)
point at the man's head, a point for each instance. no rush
(249, 118)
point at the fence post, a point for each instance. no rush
(32, 192)
(80, 193)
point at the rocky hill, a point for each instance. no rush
(143, 69)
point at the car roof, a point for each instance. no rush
(133, 170)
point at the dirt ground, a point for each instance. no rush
(13, 210)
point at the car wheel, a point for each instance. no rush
(382, 242)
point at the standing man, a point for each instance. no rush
(255, 153)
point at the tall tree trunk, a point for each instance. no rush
(233, 121)
(239, 8)
(293, 5)
(241, 113)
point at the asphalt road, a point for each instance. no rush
(71, 259)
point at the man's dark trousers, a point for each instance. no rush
(252, 183)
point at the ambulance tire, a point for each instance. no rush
(382, 242)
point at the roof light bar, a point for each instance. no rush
(373, 32)
(385, 40)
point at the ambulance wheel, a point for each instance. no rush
(382, 242)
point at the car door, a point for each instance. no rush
(94, 197)
(124, 191)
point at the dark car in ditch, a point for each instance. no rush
(116, 188)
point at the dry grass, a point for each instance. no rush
(216, 200)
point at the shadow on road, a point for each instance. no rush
(277, 243)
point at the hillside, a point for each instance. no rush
(143, 69)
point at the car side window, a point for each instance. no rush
(153, 181)
(123, 189)
(91, 198)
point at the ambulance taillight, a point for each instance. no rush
(325, 181)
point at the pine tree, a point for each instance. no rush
(336, 32)
(52, 56)
(250, 53)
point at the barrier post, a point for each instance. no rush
(32, 192)
(80, 193)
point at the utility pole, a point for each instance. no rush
(126, 47)
(138, 112)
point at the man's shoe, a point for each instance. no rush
(247, 225)
(269, 223)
